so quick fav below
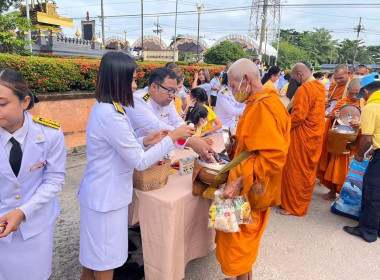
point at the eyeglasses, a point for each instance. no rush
(171, 92)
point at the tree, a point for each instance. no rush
(224, 52)
(6, 4)
(289, 54)
(292, 36)
(349, 48)
(9, 38)
(373, 54)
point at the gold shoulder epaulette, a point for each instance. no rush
(118, 108)
(47, 122)
(146, 97)
(225, 91)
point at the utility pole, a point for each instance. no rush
(142, 26)
(200, 8)
(125, 35)
(159, 29)
(102, 15)
(175, 29)
(279, 32)
(29, 32)
(263, 27)
(358, 29)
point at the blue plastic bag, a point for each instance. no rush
(349, 202)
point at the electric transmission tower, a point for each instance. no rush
(264, 24)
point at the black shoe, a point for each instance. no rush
(131, 246)
(126, 272)
(352, 230)
(135, 229)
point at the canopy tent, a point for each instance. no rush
(189, 44)
(151, 43)
(247, 43)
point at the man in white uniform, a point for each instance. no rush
(227, 108)
(154, 108)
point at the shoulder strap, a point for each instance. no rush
(331, 95)
(118, 108)
(242, 156)
(346, 89)
(47, 122)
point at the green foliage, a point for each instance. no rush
(52, 74)
(289, 54)
(320, 48)
(8, 37)
(224, 52)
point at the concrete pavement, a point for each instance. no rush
(292, 248)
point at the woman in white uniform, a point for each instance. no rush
(32, 172)
(113, 152)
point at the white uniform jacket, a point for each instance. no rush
(41, 176)
(113, 152)
(227, 108)
(148, 114)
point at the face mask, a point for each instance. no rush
(241, 96)
(204, 123)
(192, 102)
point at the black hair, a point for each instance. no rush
(274, 70)
(115, 78)
(206, 73)
(329, 75)
(172, 65)
(287, 77)
(200, 94)
(195, 113)
(16, 82)
(318, 75)
(225, 79)
(217, 74)
(160, 74)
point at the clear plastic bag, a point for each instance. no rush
(227, 214)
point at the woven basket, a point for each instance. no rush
(153, 178)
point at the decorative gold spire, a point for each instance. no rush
(77, 33)
(41, 33)
(117, 44)
(94, 39)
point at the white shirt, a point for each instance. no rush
(19, 135)
(227, 108)
(207, 88)
(148, 116)
(215, 82)
(113, 152)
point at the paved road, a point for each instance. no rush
(313, 247)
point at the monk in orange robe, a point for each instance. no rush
(338, 89)
(333, 169)
(263, 129)
(307, 127)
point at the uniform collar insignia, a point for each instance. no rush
(47, 122)
(146, 97)
(118, 108)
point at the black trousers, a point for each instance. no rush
(369, 224)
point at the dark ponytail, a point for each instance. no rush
(195, 113)
(199, 94)
(274, 70)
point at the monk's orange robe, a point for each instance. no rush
(334, 169)
(336, 91)
(264, 127)
(308, 122)
(270, 85)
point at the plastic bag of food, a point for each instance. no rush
(242, 210)
(222, 214)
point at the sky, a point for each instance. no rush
(341, 20)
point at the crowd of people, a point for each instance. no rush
(282, 119)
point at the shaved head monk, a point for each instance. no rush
(361, 70)
(306, 134)
(263, 130)
(338, 89)
(333, 169)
